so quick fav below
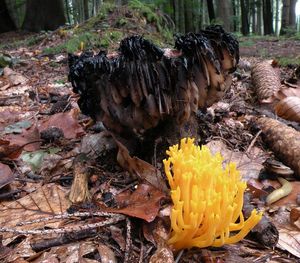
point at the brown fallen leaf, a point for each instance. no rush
(49, 199)
(249, 164)
(106, 254)
(143, 203)
(289, 109)
(66, 121)
(6, 175)
(295, 217)
(139, 168)
(29, 138)
(289, 240)
(14, 78)
(8, 151)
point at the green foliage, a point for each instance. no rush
(88, 39)
(285, 61)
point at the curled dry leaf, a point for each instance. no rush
(283, 140)
(143, 203)
(140, 168)
(265, 79)
(66, 121)
(289, 109)
(6, 175)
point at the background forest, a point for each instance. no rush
(265, 17)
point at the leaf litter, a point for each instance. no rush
(119, 183)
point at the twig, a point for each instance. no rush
(110, 221)
(128, 240)
(253, 142)
(179, 256)
(65, 216)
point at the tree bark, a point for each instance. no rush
(86, 9)
(181, 17)
(268, 17)
(67, 11)
(244, 17)
(259, 18)
(188, 15)
(285, 16)
(43, 15)
(6, 22)
(276, 17)
(211, 10)
(224, 14)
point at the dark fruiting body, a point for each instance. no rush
(142, 85)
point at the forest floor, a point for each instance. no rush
(37, 164)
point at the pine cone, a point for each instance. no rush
(283, 140)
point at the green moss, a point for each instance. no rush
(288, 61)
(72, 45)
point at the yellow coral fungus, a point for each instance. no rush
(207, 198)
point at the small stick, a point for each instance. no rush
(110, 221)
(128, 240)
(67, 215)
(253, 142)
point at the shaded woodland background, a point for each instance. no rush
(265, 17)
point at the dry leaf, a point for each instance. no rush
(163, 254)
(106, 254)
(14, 78)
(6, 175)
(67, 122)
(289, 240)
(8, 151)
(295, 217)
(249, 165)
(289, 109)
(27, 136)
(143, 203)
(48, 200)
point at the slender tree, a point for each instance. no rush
(244, 17)
(43, 15)
(211, 10)
(268, 17)
(224, 14)
(6, 22)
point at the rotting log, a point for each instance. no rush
(283, 140)
(266, 80)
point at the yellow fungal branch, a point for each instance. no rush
(207, 198)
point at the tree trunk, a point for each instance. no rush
(253, 17)
(259, 18)
(211, 10)
(86, 9)
(6, 22)
(43, 15)
(176, 14)
(268, 17)
(188, 15)
(224, 14)
(67, 11)
(292, 18)
(181, 17)
(244, 17)
(276, 17)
